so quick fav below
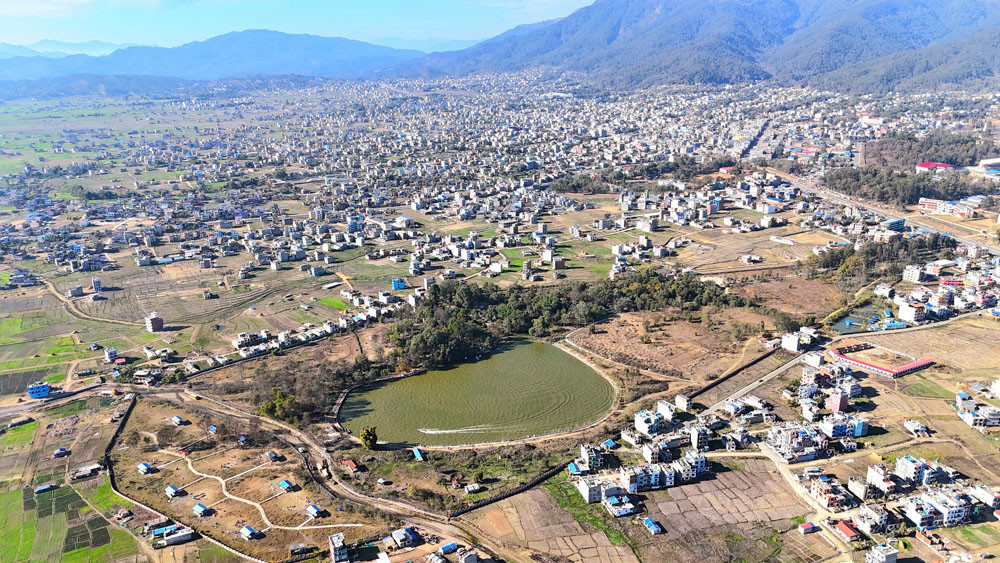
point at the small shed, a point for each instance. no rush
(285, 485)
(247, 532)
(313, 511)
(176, 420)
(272, 455)
(172, 491)
(144, 468)
(61, 452)
(200, 509)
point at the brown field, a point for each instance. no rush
(725, 517)
(534, 522)
(950, 346)
(795, 296)
(881, 357)
(666, 344)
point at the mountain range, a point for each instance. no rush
(643, 42)
(854, 45)
(237, 54)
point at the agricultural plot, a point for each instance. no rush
(57, 525)
(16, 383)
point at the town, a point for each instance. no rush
(211, 305)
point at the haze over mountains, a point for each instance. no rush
(864, 45)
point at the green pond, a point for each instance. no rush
(526, 390)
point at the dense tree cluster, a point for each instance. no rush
(872, 261)
(881, 184)
(683, 168)
(458, 321)
(903, 151)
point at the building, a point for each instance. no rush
(200, 509)
(591, 457)
(915, 470)
(338, 550)
(154, 322)
(38, 390)
(639, 478)
(881, 553)
(313, 511)
(649, 423)
(913, 274)
(248, 533)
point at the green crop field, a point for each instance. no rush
(9, 328)
(36, 528)
(103, 498)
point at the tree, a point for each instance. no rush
(369, 438)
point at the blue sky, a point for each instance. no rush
(172, 22)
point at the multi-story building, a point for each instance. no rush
(649, 423)
(953, 507)
(881, 553)
(638, 478)
(154, 322)
(915, 470)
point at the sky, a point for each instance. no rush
(173, 22)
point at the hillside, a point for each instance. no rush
(972, 62)
(235, 54)
(642, 42)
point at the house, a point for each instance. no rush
(38, 390)
(248, 533)
(177, 421)
(144, 468)
(313, 511)
(200, 509)
(61, 452)
(808, 528)
(172, 491)
(286, 485)
(846, 530)
(349, 465)
(405, 537)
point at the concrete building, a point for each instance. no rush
(154, 322)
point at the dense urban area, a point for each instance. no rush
(501, 317)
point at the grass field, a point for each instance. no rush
(333, 303)
(19, 436)
(927, 388)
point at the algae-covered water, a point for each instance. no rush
(527, 390)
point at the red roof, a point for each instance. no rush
(845, 528)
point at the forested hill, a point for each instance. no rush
(642, 42)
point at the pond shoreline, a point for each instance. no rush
(537, 387)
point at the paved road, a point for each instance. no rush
(878, 209)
